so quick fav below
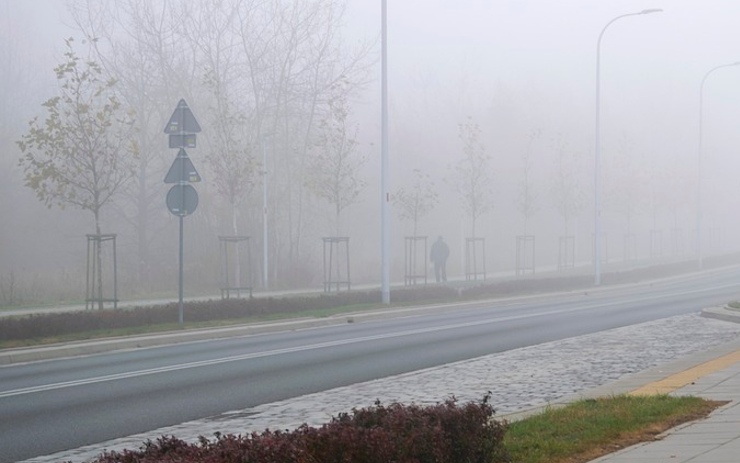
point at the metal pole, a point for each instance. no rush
(88, 293)
(180, 317)
(265, 247)
(699, 254)
(385, 194)
(597, 148)
(115, 275)
(180, 312)
(699, 249)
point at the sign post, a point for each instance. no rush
(182, 199)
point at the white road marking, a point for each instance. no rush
(341, 342)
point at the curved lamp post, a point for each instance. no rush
(699, 253)
(597, 149)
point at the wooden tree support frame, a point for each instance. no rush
(335, 264)
(415, 269)
(716, 240)
(630, 247)
(656, 243)
(525, 262)
(475, 258)
(241, 263)
(566, 252)
(94, 295)
(677, 242)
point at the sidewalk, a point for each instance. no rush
(714, 375)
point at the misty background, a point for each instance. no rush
(510, 83)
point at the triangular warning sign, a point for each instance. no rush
(182, 120)
(182, 170)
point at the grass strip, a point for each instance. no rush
(590, 428)
(174, 327)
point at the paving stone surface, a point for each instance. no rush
(518, 380)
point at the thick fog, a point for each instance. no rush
(510, 84)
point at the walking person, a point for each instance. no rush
(440, 253)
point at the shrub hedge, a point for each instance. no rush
(446, 432)
(45, 325)
(54, 325)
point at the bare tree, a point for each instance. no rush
(417, 201)
(680, 191)
(138, 41)
(567, 192)
(231, 158)
(295, 62)
(472, 174)
(233, 136)
(275, 63)
(625, 182)
(527, 200)
(231, 155)
(658, 198)
(335, 167)
(81, 154)
(16, 86)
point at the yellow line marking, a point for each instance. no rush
(679, 380)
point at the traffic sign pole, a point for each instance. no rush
(181, 307)
(181, 271)
(182, 199)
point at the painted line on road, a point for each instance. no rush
(342, 342)
(288, 350)
(236, 358)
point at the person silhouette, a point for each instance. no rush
(439, 254)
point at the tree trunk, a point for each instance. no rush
(99, 261)
(235, 230)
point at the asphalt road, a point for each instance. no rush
(56, 405)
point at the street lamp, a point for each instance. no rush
(700, 256)
(384, 193)
(597, 149)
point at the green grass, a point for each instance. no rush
(587, 429)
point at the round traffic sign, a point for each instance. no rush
(182, 200)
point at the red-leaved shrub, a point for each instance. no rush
(443, 433)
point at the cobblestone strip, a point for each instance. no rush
(518, 380)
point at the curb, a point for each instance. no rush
(710, 361)
(72, 349)
(98, 346)
(723, 313)
(56, 351)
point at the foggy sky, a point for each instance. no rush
(513, 66)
